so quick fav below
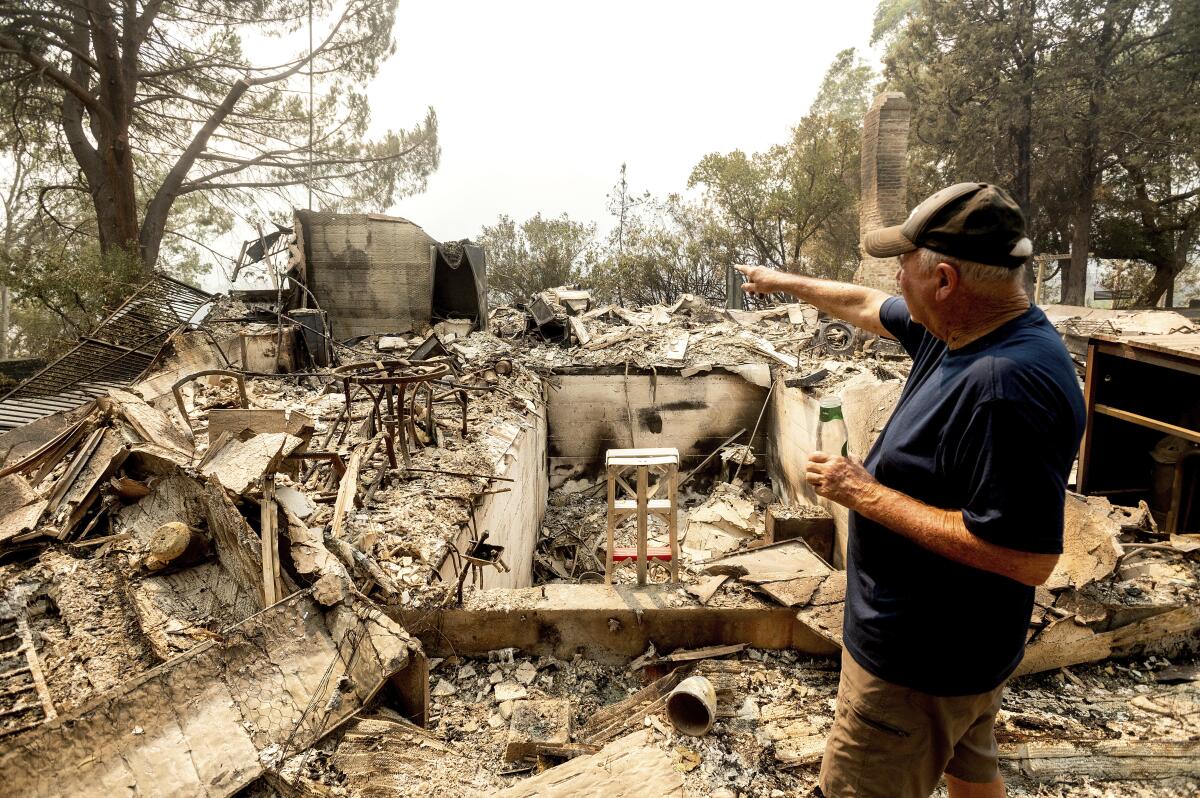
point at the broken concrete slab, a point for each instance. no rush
(706, 587)
(509, 691)
(791, 592)
(604, 622)
(825, 610)
(791, 557)
(535, 723)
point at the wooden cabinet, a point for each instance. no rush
(1140, 389)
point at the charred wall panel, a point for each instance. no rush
(371, 273)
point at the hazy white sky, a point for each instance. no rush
(540, 102)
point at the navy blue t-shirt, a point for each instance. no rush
(990, 428)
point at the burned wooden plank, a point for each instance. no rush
(610, 721)
(32, 704)
(151, 425)
(82, 485)
(626, 768)
(236, 420)
(238, 463)
(269, 532)
(238, 546)
(313, 561)
(1088, 646)
(1105, 759)
(348, 488)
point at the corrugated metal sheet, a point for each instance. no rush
(116, 354)
(371, 273)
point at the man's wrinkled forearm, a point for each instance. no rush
(943, 532)
(857, 304)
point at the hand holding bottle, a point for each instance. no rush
(840, 479)
(831, 471)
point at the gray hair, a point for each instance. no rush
(970, 270)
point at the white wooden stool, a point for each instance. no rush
(640, 500)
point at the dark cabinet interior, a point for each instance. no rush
(1139, 393)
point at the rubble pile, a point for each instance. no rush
(1077, 324)
(692, 336)
(213, 580)
(724, 517)
(773, 711)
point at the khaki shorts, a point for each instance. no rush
(893, 742)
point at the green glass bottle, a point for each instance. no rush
(832, 436)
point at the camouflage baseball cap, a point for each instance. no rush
(973, 221)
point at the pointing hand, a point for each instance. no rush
(760, 279)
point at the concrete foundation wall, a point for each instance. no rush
(604, 623)
(512, 519)
(867, 403)
(590, 413)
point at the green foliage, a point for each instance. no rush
(1085, 110)
(147, 130)
(845, 91)
(795, 205)
(537, 254)
(57, 299)
(889, 17)
(671, 247)
(148, 104)
(61, 282)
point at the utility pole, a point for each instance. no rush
(621, 216)
(310, 103)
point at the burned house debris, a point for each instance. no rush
(377, 563)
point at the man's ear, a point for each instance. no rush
(948, 280)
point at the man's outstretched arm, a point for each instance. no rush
(856, 304)
(943, 532)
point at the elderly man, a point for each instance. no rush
(957, 512)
